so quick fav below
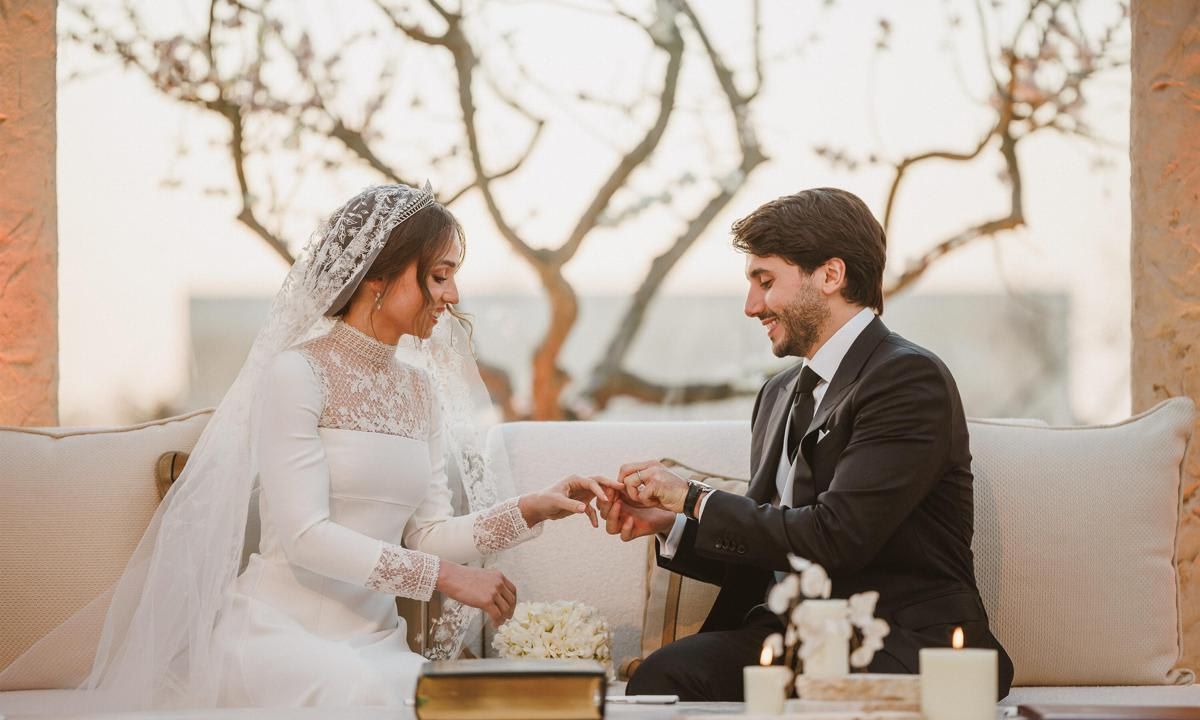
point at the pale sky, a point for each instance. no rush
(132, 251)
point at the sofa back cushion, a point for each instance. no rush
(573, 561)
(73, 505)
(1075, 531)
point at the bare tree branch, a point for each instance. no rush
(907, 163)
(758, 56)
(608, 378)
(626, 384)
(640, 152)
(1016, 214)
(256, 41)
(236, 146)
(356, 143)
(414, 32)
(512, 168)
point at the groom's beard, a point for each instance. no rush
(802, 322)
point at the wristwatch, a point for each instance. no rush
(691, 503)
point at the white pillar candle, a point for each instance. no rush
(765, 686)
(958, 683)
(832, 657)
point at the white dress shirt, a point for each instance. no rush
(825, 363)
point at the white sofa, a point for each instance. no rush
(1075, 541)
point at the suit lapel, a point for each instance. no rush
(847, 373)
(762, 485)
(804, 489)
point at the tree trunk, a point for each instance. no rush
(28, 215)
(1164, 153)
(548, 378)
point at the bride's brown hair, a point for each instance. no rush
(421, 239)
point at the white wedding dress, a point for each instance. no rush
(355, 509)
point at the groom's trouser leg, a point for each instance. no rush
(706, 666)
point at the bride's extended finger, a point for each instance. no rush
(603, 507)
(594, 485)
(591, 513)
(565, 506)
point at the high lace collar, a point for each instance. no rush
(358, 343)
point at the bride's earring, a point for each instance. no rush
(378, 301)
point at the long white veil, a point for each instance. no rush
(154, 651)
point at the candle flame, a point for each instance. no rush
(766, 657)
(957, 640)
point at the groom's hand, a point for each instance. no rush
(651, 484)
(630, 521)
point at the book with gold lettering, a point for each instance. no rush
(497, 689)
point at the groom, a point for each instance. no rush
(860, 462)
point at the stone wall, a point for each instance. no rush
(1165, 157)
(28, 215)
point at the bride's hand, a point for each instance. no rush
(481, 588)
(570, 496)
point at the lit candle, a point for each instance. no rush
(957, 683)
(765, 685)
(832, 657)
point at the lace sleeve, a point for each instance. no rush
(405, 573)
(502, 526)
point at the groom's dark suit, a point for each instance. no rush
(882, 498)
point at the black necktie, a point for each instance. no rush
(802, 410)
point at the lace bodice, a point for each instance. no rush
(361, 386)
(364, 387)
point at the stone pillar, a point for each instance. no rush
(28, 215)
(1164, 153)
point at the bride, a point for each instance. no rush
(355, 503)
(346, 447)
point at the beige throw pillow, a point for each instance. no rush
(676, 606)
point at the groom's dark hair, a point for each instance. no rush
(812, 226)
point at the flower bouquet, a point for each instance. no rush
(555, 630)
